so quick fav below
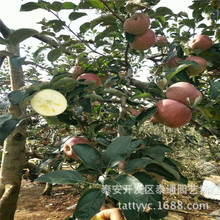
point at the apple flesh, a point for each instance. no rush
(144, 41)
(172, 113)
(184, 92)
(161, 41)
(89, 77)
(67, 149)
(137, 24)
(202, 42)
(191, 70)
(173, 62)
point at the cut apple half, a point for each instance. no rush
(49, 102)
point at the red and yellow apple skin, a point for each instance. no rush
(89, 77)
(67, 149)
(201, 42)
(173, 62)
(76, 71)
(191, 70)
(161, 41)
(137, 24)
(184, 92)
(172, 113)
(144, 41)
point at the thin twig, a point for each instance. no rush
(81, 40)
(106, 5)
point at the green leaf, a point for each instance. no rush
(128, 190)
(189, 22)
(175, 71)
(154, 197)
(90, 157)
(84, 27)
(103, 20)
(3, 41)
(43, 164)
(141, 96)
(56, 6)
(129, 37)
(157, 152)
(214, 89)
(4, 118)
(89, 204)
(69, 5)
(54, 54)
(19, 35)
(7, 127)
(137, 164)
(17, 97)
(162, 11)
(76, 15)
(17, 62)
(146, 114)
(61, 177)
(116, 151)
(30, 6)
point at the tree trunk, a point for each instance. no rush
(13, 157)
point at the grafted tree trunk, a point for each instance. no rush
(13, 157)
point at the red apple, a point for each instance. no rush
(76, 71)
(137, 24)
(133, 111)
(121, 166)
(161, 41)
(172, 113)
(144, 41)
(182, 91)
(173, 62)
(89, 77)
(191, 70)
(153, 120)
(67, 149)
(201, 42)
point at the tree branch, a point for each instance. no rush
(4, 30)
(106, 5)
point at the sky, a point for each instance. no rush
(9, 12)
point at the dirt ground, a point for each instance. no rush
(33, 206)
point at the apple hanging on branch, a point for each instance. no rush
(184, 92)
(201, 42)
(89, 77)
(137, 24)
(191, 70)
(172, 113)
(67, 148)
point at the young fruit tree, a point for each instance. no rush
(95, 102)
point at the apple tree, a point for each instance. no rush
(92, 88)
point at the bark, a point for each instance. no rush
(13, 157)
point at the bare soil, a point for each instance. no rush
(33, 206)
